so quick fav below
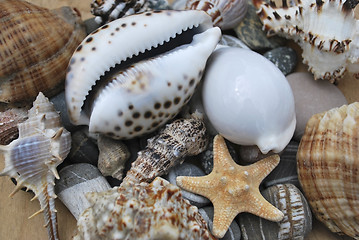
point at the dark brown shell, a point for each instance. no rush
(8, 124)
(35, 47)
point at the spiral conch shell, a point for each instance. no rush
(138, 96)
(326, 30)
(36, 45)
(328, 164)
(145, 211)
(32, 158)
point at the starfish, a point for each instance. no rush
(233, 188)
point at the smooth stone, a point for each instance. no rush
(178, 4)
(285, 58)
(251, 154)
(286, 171)
(187, 169)
(251, 33)
(233, 233)
(297, 221)
(206, 157)
(158, 4)
(75, 181)
(83, 148)
(60, 106)
(91, 25)
(312, 97)
(230, 41)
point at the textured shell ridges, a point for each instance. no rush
(327, 32)
(36, 45)
(181, 138)
(328, 162)
(153, 210)
(32, 158)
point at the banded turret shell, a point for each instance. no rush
(326, 30)
(328, 165)
(36, 45)
(179, 139)
(32, 158)
(110, 88)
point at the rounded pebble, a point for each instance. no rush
(251, 154)
(233, 233)
(312, 97)
(187, 169)
(285, 58)
(230, 41)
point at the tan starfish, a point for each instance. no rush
(233, 188)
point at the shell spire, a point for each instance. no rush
(326, 30)
(181, 138)
(32, 158)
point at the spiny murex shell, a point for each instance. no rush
(32, 158)
(144, 96)
(328, 164)
(327, 31)
(183, 137)
(143, 211)
(36, 45)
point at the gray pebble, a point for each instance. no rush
(158, 4)
(230, 41)
(251, 33)
(83, 149)
(60, 106)
(187, 169)
(233, 233)
(91, 25)
(297, 221)
(286, 171)
(250, 154)
(312, 97)
(75, 181)
(285, 58)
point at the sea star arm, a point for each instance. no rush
(198, 185)
(263, 167)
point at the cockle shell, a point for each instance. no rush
(328, 163)
(36, 45)
(109, 10)
(326, 30)
(252, 104)
(144, 211)
(146, 94)
(32, 159)
(9, 120)
(183, 137)
(225, 14)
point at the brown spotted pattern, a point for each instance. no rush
(142, 211)
(36, 45)
(181, 138)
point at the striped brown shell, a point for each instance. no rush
(9, 120)
(35, 47)
(328, 166)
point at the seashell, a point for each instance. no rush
(297, 221)
(145, 95)
(113, 156)
(253, 104)
(327, 162)
(327, 32)
(36, 46)
(32, 159)
(109, 10)
(8, 124)
(153, 210)
(181, 138)
(225, 14)
(75, 181)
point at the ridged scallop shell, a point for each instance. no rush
(182, 138)
(32, 158)
(9, 120)
(328, 163)
(136, 98)
(109, 10)
(36, 45)
(326, 30)
(143, 211)
(225, 14)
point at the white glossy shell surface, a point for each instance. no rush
(248, 100)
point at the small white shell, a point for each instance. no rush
(248, 100)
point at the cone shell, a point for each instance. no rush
(328, 164)
(35, 47)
